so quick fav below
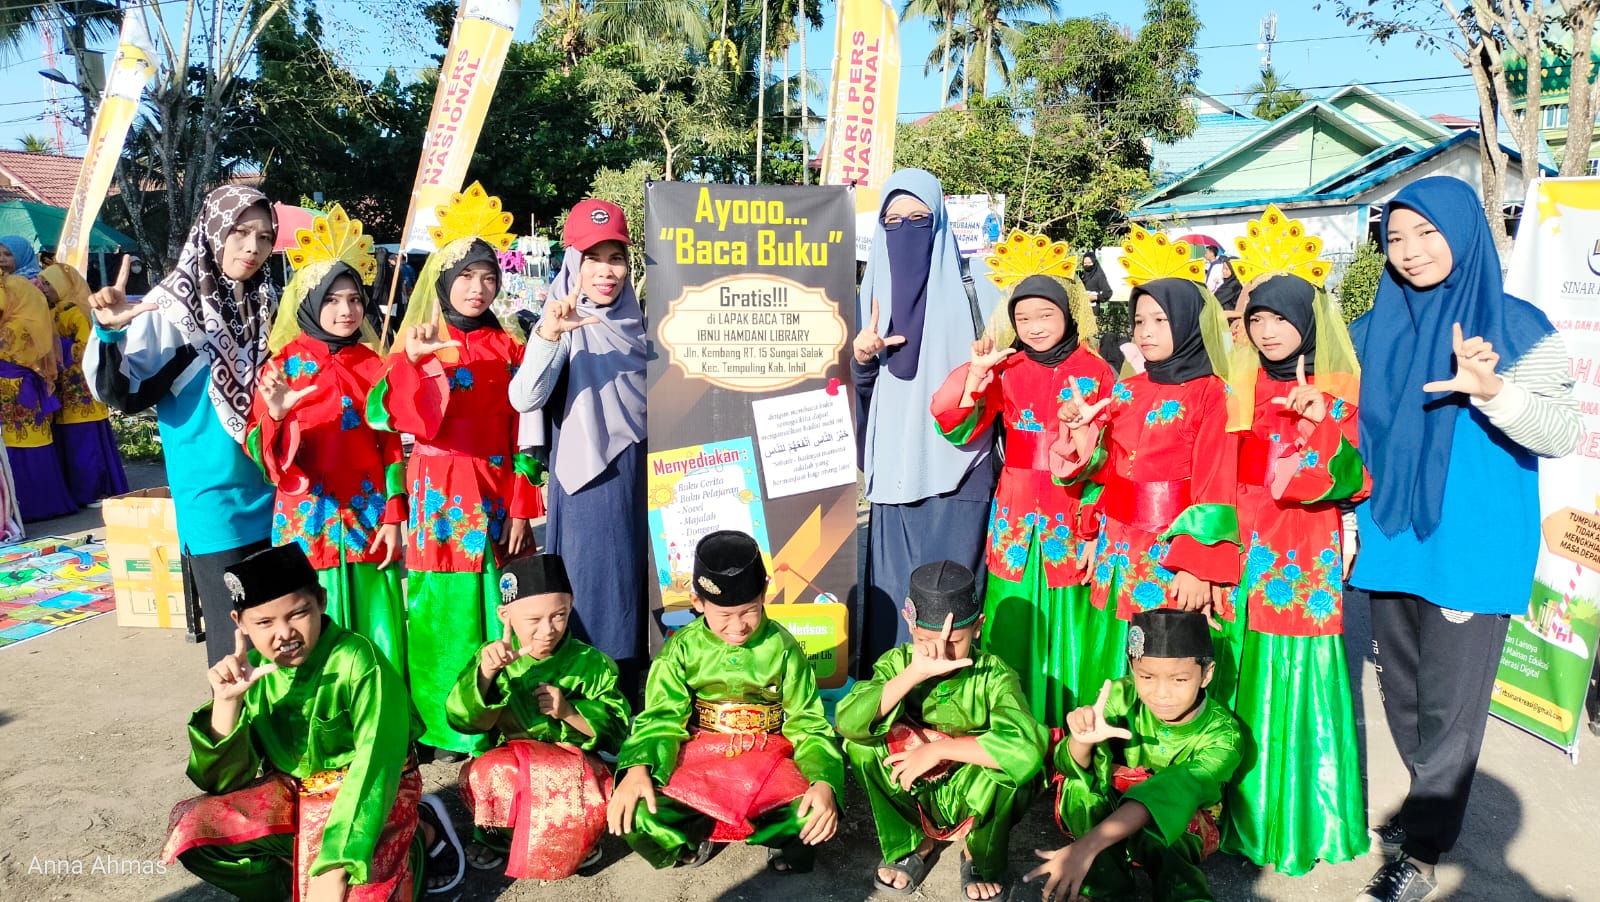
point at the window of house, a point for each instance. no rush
(1553, 116)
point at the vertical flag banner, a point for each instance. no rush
(751, 428)
(1544, 671)
(467, 78)
(858, 147)
(131, 70)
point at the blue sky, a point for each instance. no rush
(1315, 51)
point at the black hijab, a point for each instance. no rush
(309, 315)
(1048, 289)
(1182, 302)
(1094, 279)
(1230, 289)
(1292, 298)
(479, 252)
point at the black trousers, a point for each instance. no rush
(215, 601)
(1436, 668)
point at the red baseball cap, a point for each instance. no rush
(593, 221)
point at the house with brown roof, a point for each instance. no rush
(43, 178)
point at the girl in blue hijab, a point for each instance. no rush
(930, 498)
(1463, 388)
(24, 262)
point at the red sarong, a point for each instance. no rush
(1203, 824)
(552, 797)
(904, 737)
(734, 777)
(273, 805)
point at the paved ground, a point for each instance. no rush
(92, 752)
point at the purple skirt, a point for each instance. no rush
(90, 458)
(42, 490)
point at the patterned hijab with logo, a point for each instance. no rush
(198, 298)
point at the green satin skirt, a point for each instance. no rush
(372, 603)
(449, 616)
(1039, 631)
(1297, 796)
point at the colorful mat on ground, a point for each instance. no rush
(49, 583)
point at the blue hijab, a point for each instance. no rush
(906, 459)
(1404, 341)
(22, 249)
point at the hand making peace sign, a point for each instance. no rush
(1475, 363)
(869, 344)
(110, 304)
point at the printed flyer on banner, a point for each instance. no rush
(752, 300)
(1549, 653)
(977, 219)
(694, 491)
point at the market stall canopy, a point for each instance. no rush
(41, 224)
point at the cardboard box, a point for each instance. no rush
(146, 559)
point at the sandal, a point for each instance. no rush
(793, 857)
(969, 879)
(590, 860)
(914, 866)
(702, 855)
(481, 857)
(446, 858)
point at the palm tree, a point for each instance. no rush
(35, 144)
(1276, 98)
(941, 14)
(999, 25)
(635, 22)
(81, 19)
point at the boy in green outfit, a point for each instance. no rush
(304, 751)
(1143, 771)
(732, 735)
(551, 704)
(942, 740)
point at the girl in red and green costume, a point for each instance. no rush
(1296, 798)
(1159, 448)
(1036, 594)
(471, 492)
(340, 483)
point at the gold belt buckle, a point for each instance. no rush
(322, 781)
(734, 717)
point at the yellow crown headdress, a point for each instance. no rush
(1023, 255)
(473, 213)
(1275, 245)
(1148, 256)
(333, 238)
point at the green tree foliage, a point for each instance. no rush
(1098, 95)
(1360, 284)
(1273, 98)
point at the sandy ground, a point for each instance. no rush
(93, 749)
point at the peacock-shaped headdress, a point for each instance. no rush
(333, 240)
(471, 216)
(1150, 256)
(1023, 255)
(1276, 246)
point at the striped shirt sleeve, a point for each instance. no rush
(1536, 408)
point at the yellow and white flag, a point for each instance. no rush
(858, 147)
(467, 78)
(130, 72)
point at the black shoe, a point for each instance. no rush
(1398, 881)
(1390, 837)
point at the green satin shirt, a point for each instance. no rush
(344, 707)
(586, 678)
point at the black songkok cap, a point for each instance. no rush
(728, 570)
(536, 574)
(269, 575)
(940, 589)
(1169, 633)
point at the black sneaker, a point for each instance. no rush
(1390, 837)
(1398, 881)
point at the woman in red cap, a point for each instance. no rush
(585, 365)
